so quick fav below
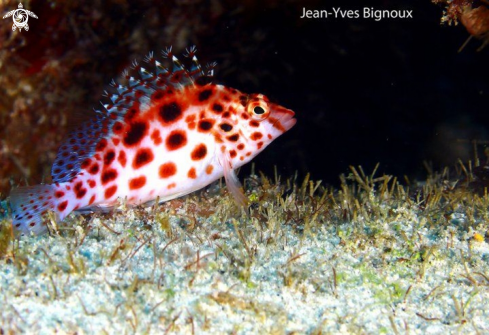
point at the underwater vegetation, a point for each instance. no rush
(371, 256)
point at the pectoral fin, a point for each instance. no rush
(233, 184)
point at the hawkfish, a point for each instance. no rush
(168, 132)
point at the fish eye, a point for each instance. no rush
(258, 110)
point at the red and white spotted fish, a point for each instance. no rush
(166, 134)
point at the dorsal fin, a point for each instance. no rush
(142, 83)
(80, 145)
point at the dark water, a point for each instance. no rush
(393, 91)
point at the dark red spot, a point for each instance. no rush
(233, 138)
(176, 77)
(226, 115)
(156, 137)
(176, 140)
(205, 125)
(109, 192)
(122, 158)
(241, 146)
(85, 163)
(204, 95)
(199, 152)
(80, 191)
(92, 199)
(56, 171)
(157, 95)
(108, 176)
(232, 153)
(101, 145)
(94, 169)
(259, 145)
(137, 182)
(117, 127)
(59, 194)
(192, 173)
(226, 127)
(243, 99)
(32, 224)
(170, 113)
(167, 170)
(143, 157)
(92, 183)
(62, 206)
(254, 123)
(256, 136)
(109, 157)
(131, 113)
(217, 108)
(135, 133)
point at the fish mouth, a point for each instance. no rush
(284, 119)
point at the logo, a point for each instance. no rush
(20, 17)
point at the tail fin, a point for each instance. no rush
(29, 204)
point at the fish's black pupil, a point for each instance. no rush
(258, 110)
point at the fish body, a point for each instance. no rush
(164, 135)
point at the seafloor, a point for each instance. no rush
(370, 255)
(373, 257)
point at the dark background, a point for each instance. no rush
(395, 91)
